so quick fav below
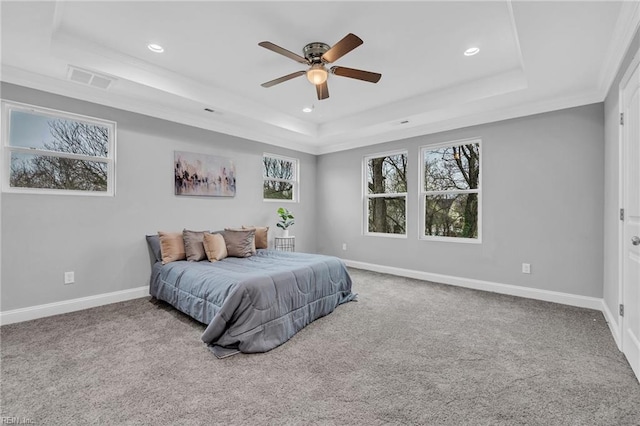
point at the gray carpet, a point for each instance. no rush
(408, 352)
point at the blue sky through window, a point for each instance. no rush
(29, 130)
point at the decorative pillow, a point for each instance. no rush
(171, 246)
(242, 229)
(215, 247)
(154, 245)
(193, 247)
(262, 236)
(240, 243)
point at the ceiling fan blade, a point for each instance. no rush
(283, 51)
(322, 90)
(371, 77)
(341, 48)
(283, 79)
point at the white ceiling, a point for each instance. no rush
(534, 57)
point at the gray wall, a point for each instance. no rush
(102, 238)
(542, 204)
(543, 193)
(611, 183)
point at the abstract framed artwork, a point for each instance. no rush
(203, 175)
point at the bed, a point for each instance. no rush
(253, 304)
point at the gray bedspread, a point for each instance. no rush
(257, 303)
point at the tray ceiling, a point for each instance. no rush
(534, 57)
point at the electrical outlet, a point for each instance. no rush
(526, 268)
(344, 246)
(69, 277)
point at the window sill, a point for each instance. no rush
(278, 200)
(380, 234)
(42, 191)
(452, 240)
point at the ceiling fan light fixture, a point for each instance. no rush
(317, 74)
(316, 56)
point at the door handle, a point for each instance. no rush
(635, 240)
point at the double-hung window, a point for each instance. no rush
(451, 191)
(385, 194)
(48, 151)
(280, 178)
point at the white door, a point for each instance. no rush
(630, 102)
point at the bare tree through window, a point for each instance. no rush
(386, 193)
(451, 188)
(64, 154)
(279, 177)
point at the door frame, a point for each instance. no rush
(622, 202)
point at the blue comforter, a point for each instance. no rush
(257, 303)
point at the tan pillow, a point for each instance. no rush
(214, 247)
(262, 236)
(171, 246)
(240, 243)
(193, 247)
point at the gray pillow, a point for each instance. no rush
(154, 245)
(240, 243)
(193, 246)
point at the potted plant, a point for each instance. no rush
(286, 220)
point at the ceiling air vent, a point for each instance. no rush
(89, 78)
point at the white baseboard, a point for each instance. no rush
(614, 326)
(63, 307)
(66, 306)
(512, 290)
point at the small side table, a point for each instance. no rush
(285, 243)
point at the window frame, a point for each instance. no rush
(366, 196)
(8, 149)
(422, 193)
(295, 182)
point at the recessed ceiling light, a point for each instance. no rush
(155, 48)
(404, 121)
(209, 110)
(471, 51)
(307, 109)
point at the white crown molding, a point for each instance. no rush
(464, 120)
(625, 29)
(516, 37)
(159, 92)
(257, 131)
(512, 290)
(247, 128)
(429, 104)
(80, 52)
(66, 306)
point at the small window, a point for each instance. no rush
(385, 194)
(280, 178)
(451, 191)
(47, 151)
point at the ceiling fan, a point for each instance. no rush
(317, 55)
